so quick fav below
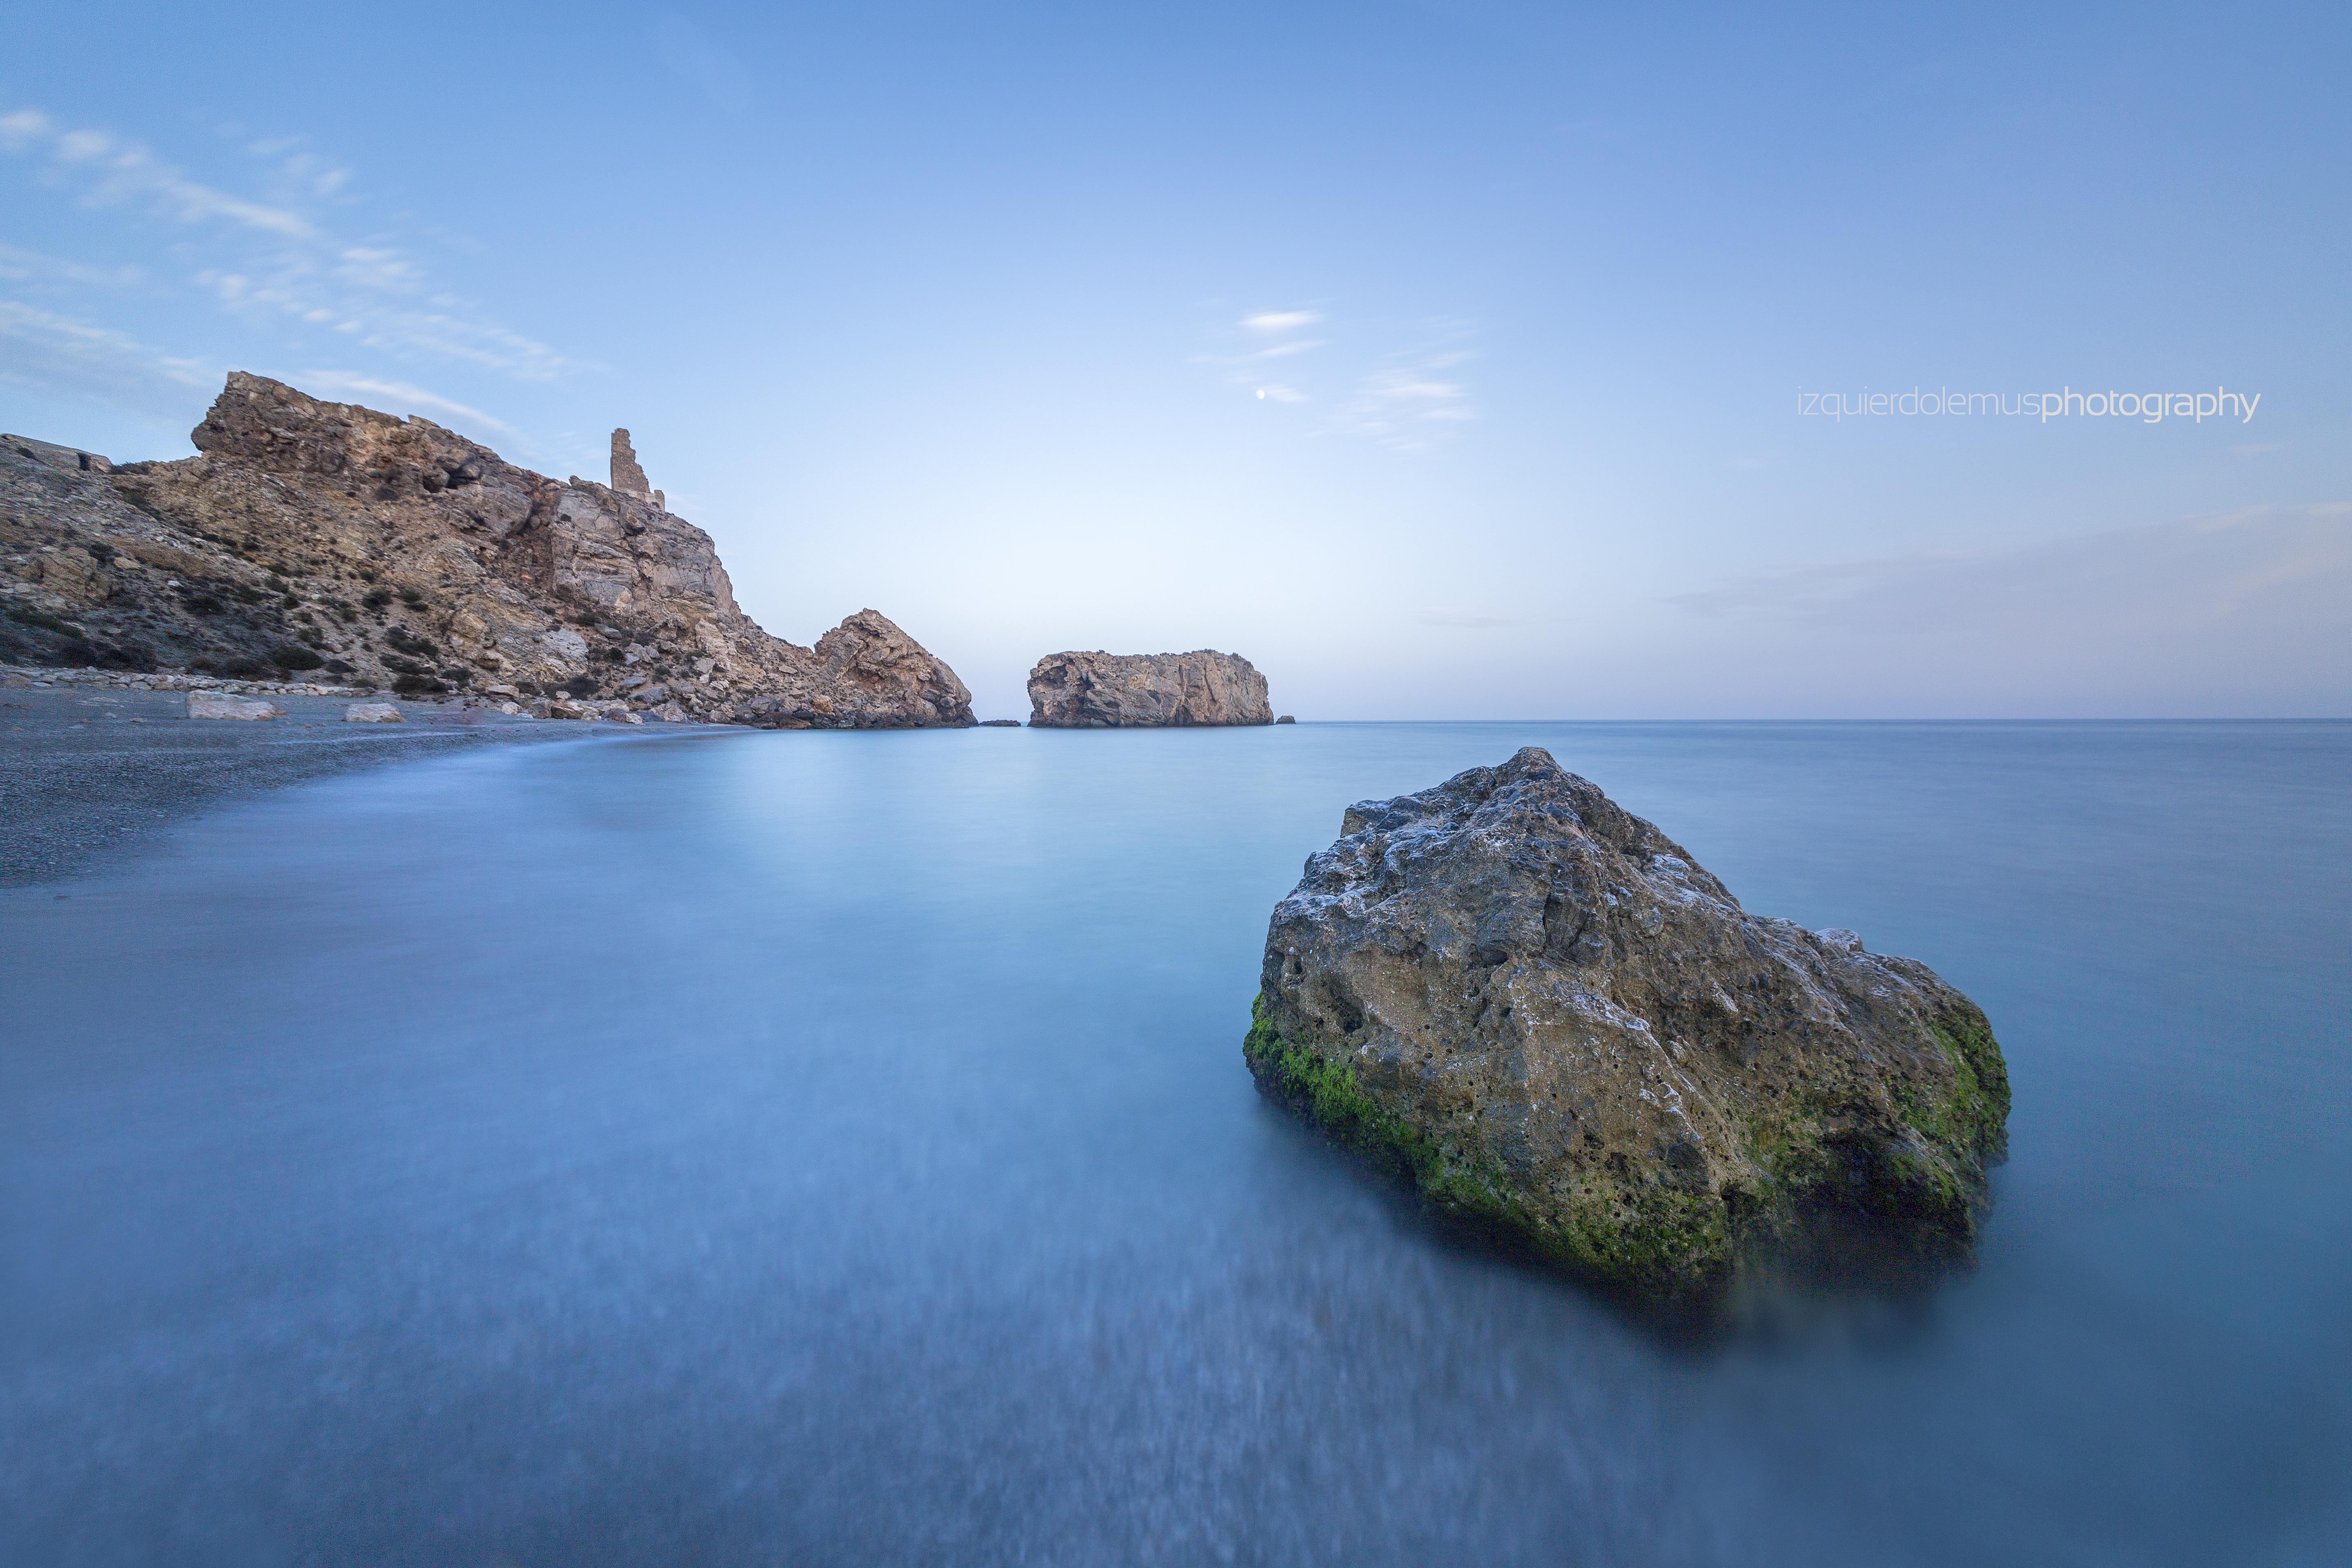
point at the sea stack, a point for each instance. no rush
(1145, 691)
(1547, 1016)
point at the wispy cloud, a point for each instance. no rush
(110, 170)
(1254, 341)
(1405, 398)
(55, 353)
(50, 353)
(1419, 398)
(1398, 406)
(21, 265)
(1410, 398)
(304, 171)
(1272, 322)
(274, 259)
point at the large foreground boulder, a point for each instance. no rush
(1141, 690)
(1538, 1007)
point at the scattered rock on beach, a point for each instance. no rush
(372, 713)
(217, 705)
(1545, 1014)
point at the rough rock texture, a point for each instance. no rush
(212, 705)
(1540, 1009)
(1114, 692)
(326, 536)
(372, 713)
(628, 477)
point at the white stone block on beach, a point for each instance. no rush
(214, 705)
(370, 713)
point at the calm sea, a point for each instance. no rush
(835, 1149)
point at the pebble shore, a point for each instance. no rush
(503, 699)
(96, 764)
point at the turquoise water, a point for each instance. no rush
(807, 1147)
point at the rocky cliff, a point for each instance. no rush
(1111, 692)
(1542, 1011)
(325, 537)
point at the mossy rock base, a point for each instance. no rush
(1691, 1264)
(1569, 1041)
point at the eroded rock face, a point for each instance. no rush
(403, 554)
(1541, 1010)
(1113, 691)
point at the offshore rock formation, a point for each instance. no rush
(323, 536)
(1112, 691)
(1538, 1008)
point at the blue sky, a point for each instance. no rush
(1446, 359)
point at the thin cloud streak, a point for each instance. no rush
(116, 171)
(1407, 408)
(1409, 400)
(271, 263)
(54, 354)
(21, 265)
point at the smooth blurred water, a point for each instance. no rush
(814, 1148)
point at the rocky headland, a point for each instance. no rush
(1542, 1012)
(1115, 691)
(327, 541)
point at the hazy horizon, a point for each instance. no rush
(1448, 360)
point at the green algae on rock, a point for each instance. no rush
(1541, 1012)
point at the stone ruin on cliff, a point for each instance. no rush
(627, 476)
